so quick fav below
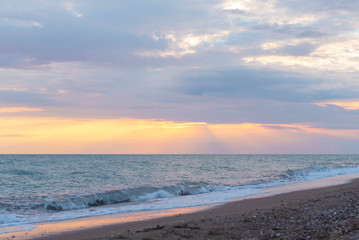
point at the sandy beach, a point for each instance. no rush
(323, 213)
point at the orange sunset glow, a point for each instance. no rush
(129, 136)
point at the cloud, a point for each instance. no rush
(64, 39)
(348, 104)
(336, 56)
(18, 99)
(20, 22)
(289, 30)
(260, 84)
(187, 44)
(301, 49)
(119, 136)
(58, 42)
(139, 34)
(13, 89)
(70, 7)
(19, 109)
(107, 34)
(213, 61)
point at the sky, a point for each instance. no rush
(199, 76)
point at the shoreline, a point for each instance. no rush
(196, 222)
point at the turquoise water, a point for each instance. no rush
(35, 188)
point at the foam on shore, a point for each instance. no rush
(56, 227)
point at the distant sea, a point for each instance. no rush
(38, 188)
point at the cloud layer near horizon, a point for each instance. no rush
(214, 61)
(134, 136)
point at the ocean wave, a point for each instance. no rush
(21, 172)
(126, 195)
(315, 172)
(25, 209)
(142, 194)
(192, 188)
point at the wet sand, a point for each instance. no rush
(324, 213)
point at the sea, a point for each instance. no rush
(43, 188)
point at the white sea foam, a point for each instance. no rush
(150, 196)
(202, 181)
(10, 218)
